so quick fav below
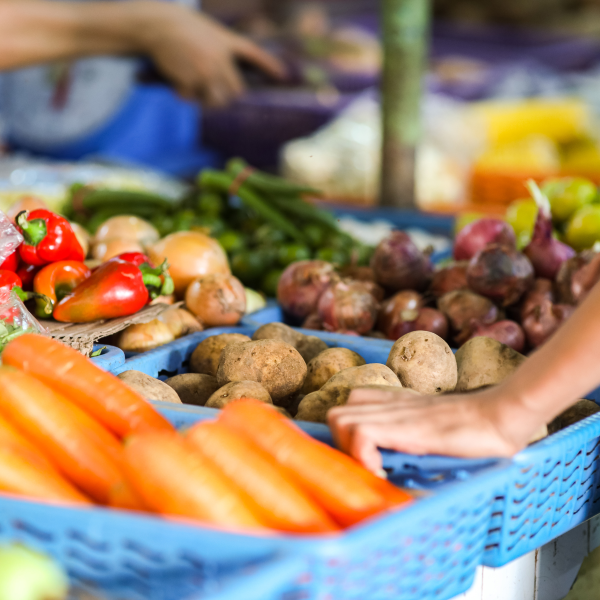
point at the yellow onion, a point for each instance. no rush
(25, 203)
(104, 251)
(180, 321)
(83, 237)
(127, 227)
(164, 300)
(190, 255)
(216, 300)
(144, 336)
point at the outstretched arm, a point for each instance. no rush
(197, 54)
(497, 421)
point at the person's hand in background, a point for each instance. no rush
(199, 56)
(196, 54)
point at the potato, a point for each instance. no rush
(206, 356)
(194, 388)
(579, 411)
(308, 345)
(423, 362)
(276, 365)
(335, 392)
(326, 364)
(149, 387)
(484, 361)
(236, 390)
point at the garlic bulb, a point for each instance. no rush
(180, 321)
(144, 336)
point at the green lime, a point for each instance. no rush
(315, 234)
(583, 230)
(231, 241)
(332, 255)
(521, 216)
(266, 234)
(269, 283)
(247, 266)
(463, 220)
(290, 253)
(567, 195)
(210, 204)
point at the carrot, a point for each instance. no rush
(22, 474)
(9, 435)
(99, 393)
(343, 487)
(81, 449)
(280, 502)
(173, 479)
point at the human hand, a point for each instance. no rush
(198, 55)
(478, 424)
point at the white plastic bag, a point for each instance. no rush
(15, 319)
(10, 238)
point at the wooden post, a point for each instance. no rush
(405, 30)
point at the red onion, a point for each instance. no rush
(433, 320)
(506, 332)
(399, 265)
(463, 307)
(348, 306)
(301, 285)
(577, 276)
(358, 273)
(373, 288)
(450, 278)
(500, 273)
(475, 236)
(398, 313)
(545, 253)
(544, 320)
(542, 289)
(313, 321)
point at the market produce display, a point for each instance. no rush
(496, 286)
(64, 440)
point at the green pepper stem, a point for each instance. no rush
(33, 231)
(151, 280)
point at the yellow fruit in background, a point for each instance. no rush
(583, 230)
(567, 195)
(521, 215)
(535, 154)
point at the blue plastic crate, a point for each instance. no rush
(110, 359)
(427, 550)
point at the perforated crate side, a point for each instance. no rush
(556, 486)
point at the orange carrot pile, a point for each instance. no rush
(72, 433)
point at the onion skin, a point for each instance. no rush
(141, 337)
(313, 321)
(104, 251)
(577, 276)
(358, 273)
(398, 313)
(450, 278)
(475, 236)
(25, 203)
(301, 285)
(399, 265)
(216, 300)
(127, 227)
(541, 290)
(464, 307)
(347, 306)
(544, 320)
(506, 332)
(190, 255)
(545, 253)
(373, 288)
(433, 320)
(180, 321)
(500, 273)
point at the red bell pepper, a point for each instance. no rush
(141, 260)
(11, 262)
(59, 279)
(27, 274)
(11, 281)
(48, 238)
(136, 258)
(115, 289)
